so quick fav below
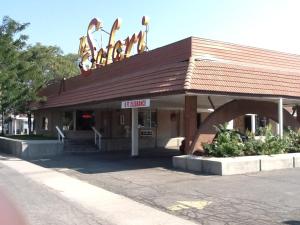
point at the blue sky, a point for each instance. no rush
(272, 24)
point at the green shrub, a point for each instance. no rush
(253, 146)
(293, 139)
(227, 143)
(272, 144)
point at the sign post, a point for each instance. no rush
(134, 105)
(134, 133)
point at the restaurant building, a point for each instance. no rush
(179, 91)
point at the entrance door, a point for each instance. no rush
(85, 120)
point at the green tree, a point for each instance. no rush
(29, 82)
(11, 44)
(25, 69)
(52, 64)
(48, 65)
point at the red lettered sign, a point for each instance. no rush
(139, 103)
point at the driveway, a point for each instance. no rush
(262, 198)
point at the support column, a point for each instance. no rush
(298, 113)
(280, 117)
(190, 121)
(253, 123)
(134, 133)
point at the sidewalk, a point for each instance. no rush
(111, 207)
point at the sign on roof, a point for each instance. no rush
(92, 56)
(140, 103)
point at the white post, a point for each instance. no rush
(280, 117)
(15, 125)
(134, 133)
(277, 128)
(253, 123)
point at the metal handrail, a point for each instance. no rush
(97, 140)
(60, 134)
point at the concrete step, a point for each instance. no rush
(79, 135)
(81, 146)
(79, 142)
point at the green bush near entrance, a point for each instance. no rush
(229, 143)
(293, 139)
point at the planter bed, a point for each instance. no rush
(236, 165)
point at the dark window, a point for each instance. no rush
(85, 120)
(45, 123)
(141, 120)
(153, 119)
(68, 123)
(147, 119)
(263, 121)
(198, 120)
(248, 123)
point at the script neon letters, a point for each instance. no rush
(91, 57)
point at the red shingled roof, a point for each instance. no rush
(152, 81)
(190, 65)
(231, 77)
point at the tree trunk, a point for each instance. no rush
(29, 123)
(2, 131)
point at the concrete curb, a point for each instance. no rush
(276, 162)
(236, 165)
(31, 149)
(109, 206)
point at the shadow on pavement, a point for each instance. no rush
(292, 222)
(103, 162)
(10, 157)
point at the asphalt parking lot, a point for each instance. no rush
(262, 198)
